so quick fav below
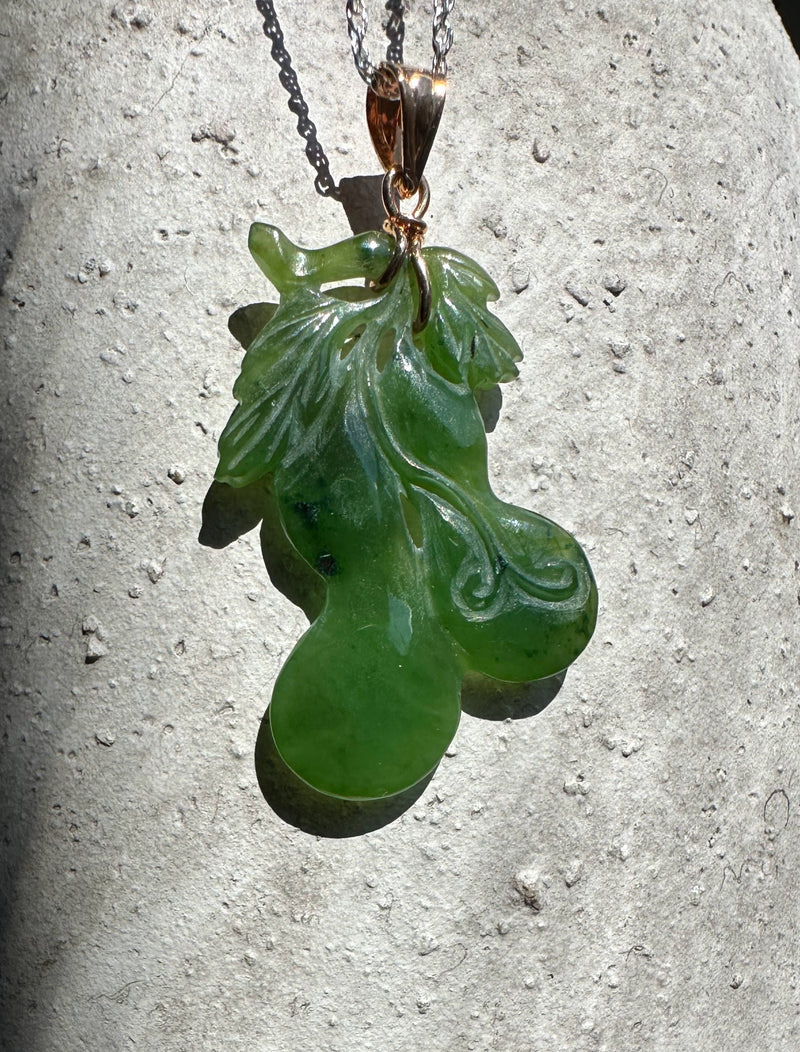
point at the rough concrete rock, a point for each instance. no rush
(616, 872)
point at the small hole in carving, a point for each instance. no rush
(351, 341)
(385, 349)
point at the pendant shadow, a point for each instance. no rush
(297, 804)
(491, 699)
(230, 512)
(360, 197)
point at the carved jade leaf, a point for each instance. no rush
(377, 453)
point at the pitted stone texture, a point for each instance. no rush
(151, 896)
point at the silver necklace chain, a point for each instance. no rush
(357, 24)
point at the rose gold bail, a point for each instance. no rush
(404, 108)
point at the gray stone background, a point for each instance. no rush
(617, 872)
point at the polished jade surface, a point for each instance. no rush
(376, 449)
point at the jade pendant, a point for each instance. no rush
(371, 435)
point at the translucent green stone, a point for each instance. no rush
(377, 454)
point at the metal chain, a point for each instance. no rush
(395, 31)
(357, 24)
(442, 35)
(357, 30)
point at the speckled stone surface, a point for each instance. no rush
(615, 872)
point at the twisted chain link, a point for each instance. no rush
(395, 31)
(358, 23)
(442, 35)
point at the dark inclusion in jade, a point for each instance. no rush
(377, 454)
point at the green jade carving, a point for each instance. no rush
(376, 449)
